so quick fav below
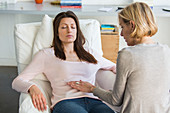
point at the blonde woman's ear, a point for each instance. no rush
(132, 24)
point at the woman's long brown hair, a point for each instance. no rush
(82, 54)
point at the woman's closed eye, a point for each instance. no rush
(73, 27)
(65, 27)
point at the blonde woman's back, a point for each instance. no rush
(148, 80)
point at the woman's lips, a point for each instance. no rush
(69, 36)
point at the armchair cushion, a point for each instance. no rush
(24, 39)
(44, 36)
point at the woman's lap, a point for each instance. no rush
(69, 106)
(81, 105)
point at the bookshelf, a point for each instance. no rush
(110, 44)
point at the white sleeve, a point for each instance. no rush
(22, 82)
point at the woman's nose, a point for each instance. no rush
(69, 29)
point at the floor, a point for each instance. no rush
(8, 97)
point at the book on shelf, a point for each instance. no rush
(108, 28)
(70, 6)
(107, 31)
(71, 3)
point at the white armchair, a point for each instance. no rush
(31, 37)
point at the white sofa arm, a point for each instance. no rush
(106, 79)
(25, 103)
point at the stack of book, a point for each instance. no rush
(107, 28)
(71, 3)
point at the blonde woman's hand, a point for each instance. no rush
(114, 69)
(82, 86)
(38, 98)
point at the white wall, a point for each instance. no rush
(162, 35)
(161, 2)
(7, 50)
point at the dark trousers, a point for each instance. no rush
(81, 105)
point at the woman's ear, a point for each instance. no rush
(132, 24)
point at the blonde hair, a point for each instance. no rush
(143, 18)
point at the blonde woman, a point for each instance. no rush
(143, 69)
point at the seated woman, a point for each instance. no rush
(143, 69)
(65, 61)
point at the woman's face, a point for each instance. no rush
(126, 30)
(67, 30)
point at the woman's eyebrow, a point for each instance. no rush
(67, 24)
(63, 23)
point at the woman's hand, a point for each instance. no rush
(38, 98)
(82, 86)
(114, 69)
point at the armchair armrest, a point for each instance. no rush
(25, 103)
(106, 79)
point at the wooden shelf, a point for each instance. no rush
(110, 45)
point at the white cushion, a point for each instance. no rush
(44, 36)
(91, 31)
(24, 39)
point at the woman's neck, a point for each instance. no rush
(70, 54)
(146, 40)
(68, 48)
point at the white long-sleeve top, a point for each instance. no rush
(59, 72)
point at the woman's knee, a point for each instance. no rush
(101, 109)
